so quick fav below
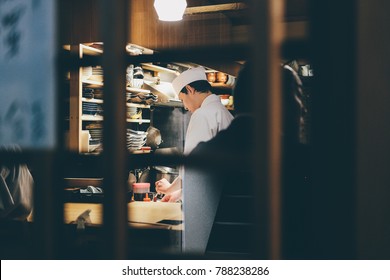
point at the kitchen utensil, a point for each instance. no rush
(222, 77)
(211, 77)
(153, 139)
(156, 173)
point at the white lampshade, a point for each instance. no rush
(170, 10)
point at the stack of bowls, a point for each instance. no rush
(86, 73)
(97, 74)
(91, 108)
(133, 113)
(135, 139)
(138, 77)
(96, 135)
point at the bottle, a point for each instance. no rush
(140, 191)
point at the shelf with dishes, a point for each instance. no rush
(134, 112)
(93, 114)
(100, 118)
(158, 69)
(92, 83)
(137, 105)
(92, 100)
(137, 98)
(92, 118)
(88, 48)
(137, 90)
(138, 120)
(146, 87)
(86, 103)
(92, 76)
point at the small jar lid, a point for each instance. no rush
(141, 185)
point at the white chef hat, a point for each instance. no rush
(187, 77)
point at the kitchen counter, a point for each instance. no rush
(141, 214)
(155, 229)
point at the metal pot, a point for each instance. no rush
(155, 173)
(165, 172)
(153, 139)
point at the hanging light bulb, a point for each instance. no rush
(170, 10)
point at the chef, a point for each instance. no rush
(208, 117)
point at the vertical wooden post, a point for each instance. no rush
(373, 133)
(75, 122)
(113, 28)
(333, 38)
(266, 42)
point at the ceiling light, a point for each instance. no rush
(170, 10)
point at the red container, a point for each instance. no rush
(141, 187)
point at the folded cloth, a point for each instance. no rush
(83, 219)
(89, 90)
(94, 126)
(138, 73)
(91, 189)
(88, 95)
(145, 98)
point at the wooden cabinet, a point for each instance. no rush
(78, 81)
(86, 106)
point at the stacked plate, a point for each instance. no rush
(92, 108)
(96, 135)
(97, 74)
(138, 77)
(86, 73)
(143, 98)
(94, 141)
(133, 113)
(128, 95)
(135, 139)
(98, 93)
(88, 92)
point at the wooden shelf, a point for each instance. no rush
(92, 83)
(92, 100)
(136, 105)
(134, 49)
(173, 104)
(86, 49)
(221, 85)
(152, 67)
(77, 82)
(91, 118)
(90, 50)
(138, 121)
(137, 90)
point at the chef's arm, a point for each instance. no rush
(176, 184)
(163, 186)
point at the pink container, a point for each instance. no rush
(141, 187)
(141, 191)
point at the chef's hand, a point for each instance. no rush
(172, 197)
(163, 186)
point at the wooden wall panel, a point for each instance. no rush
(79, 22)
(194, 30)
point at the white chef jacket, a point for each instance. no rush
(206, 122)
